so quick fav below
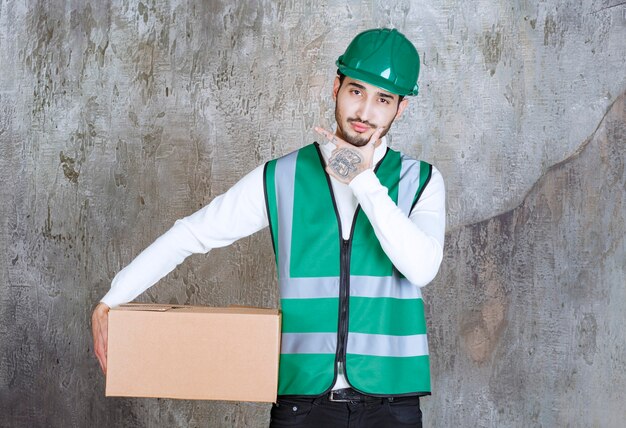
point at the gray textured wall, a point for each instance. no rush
(117, 118)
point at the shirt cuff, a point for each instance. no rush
(107, 302)
(364, 182)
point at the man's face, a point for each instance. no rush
(361, 108)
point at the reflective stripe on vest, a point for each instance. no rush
(385, 351)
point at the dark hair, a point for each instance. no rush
(343, 76)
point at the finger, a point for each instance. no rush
(105, 342)
(100, 334)
(104, 370)
(97, 346)
(101, 353)
(329, 136)
(98, 352)
(324, 133)
(376, 135)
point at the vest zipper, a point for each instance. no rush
(344, 293)
(344, 272)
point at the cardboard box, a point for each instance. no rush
(193, 352)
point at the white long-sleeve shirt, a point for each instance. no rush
(414, 244)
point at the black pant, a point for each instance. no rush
(322, 413)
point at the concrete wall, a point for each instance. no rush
(117, 118)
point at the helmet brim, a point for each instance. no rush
(376, 80)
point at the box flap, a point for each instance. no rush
(159, 307)
(146, 307)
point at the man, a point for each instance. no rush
(357, 229)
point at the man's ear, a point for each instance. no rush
(403, 104)
(336, 86)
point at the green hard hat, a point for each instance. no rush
(384, 58)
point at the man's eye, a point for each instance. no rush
(384, 100)
(356, 92)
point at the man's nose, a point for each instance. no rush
(365, 110)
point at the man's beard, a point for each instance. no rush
(353, 137)
(357, 139)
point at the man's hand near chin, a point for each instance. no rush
(347, 161)
(99, 329)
